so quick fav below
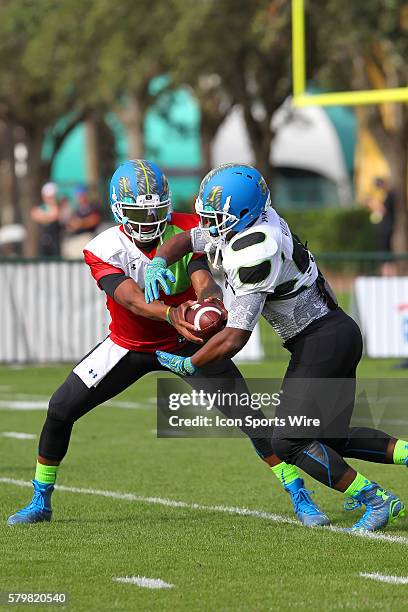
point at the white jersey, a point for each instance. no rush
(114, 248)
(271, 273)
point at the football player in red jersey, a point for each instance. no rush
(140, 201)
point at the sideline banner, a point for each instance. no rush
(380, 306)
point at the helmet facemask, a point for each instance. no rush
(218, 223)
(145, 218)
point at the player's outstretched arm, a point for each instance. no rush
(207, 289)
(226, 343)
(204, 285)
(158, 272)
(129, 295)
(243, 315)
(175, 247)
(244, 312)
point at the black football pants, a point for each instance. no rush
(320, 382)
(74, 399)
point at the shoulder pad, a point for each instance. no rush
(107, 244)
(253, 245)
(251, 259)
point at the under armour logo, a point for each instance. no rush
(382, 494)
(93, 374)
(133, 266)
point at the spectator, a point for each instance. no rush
(81, 224)
(381, 202)
(46, 214)
(65, 211)
(87, 216)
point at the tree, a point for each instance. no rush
(62, 61)
(126, 38)
(365, 46)
(10, 212)
(32, 96)
(243, 50)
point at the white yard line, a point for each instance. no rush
(147, 583)
(23, 396)
(385, 578)
(380, 421)
(17, 435)
(172, 503)
(22, 404)
(25, 401)
(146, 405)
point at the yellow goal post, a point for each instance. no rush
(341, 98)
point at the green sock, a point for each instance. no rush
(285, 473)
(358, 483)
(400, 454)
(46, 474)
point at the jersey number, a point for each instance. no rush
(300, 254)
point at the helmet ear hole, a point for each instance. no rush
(244, 212)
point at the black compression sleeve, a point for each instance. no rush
(110, 282)
(200, 263)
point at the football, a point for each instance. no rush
(207, 318)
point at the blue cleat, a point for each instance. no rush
(39, 509)
(382, 507)
(305, 508)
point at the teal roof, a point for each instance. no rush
(172, 139)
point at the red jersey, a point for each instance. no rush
(113, 252)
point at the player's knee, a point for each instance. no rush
(285, 449)
(62, 408)
(263, 447)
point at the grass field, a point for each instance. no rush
(216, 556)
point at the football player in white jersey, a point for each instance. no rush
(141, 204)
(273, 274)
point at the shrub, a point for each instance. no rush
(332, 230)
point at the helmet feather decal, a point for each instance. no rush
(231, 197)
(140, 199)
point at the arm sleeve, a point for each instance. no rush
(245, 311)
(200, 242)
(111, 282)
(198, 263)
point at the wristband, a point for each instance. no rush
(189, 367)
(168, 315)
(159, 261)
